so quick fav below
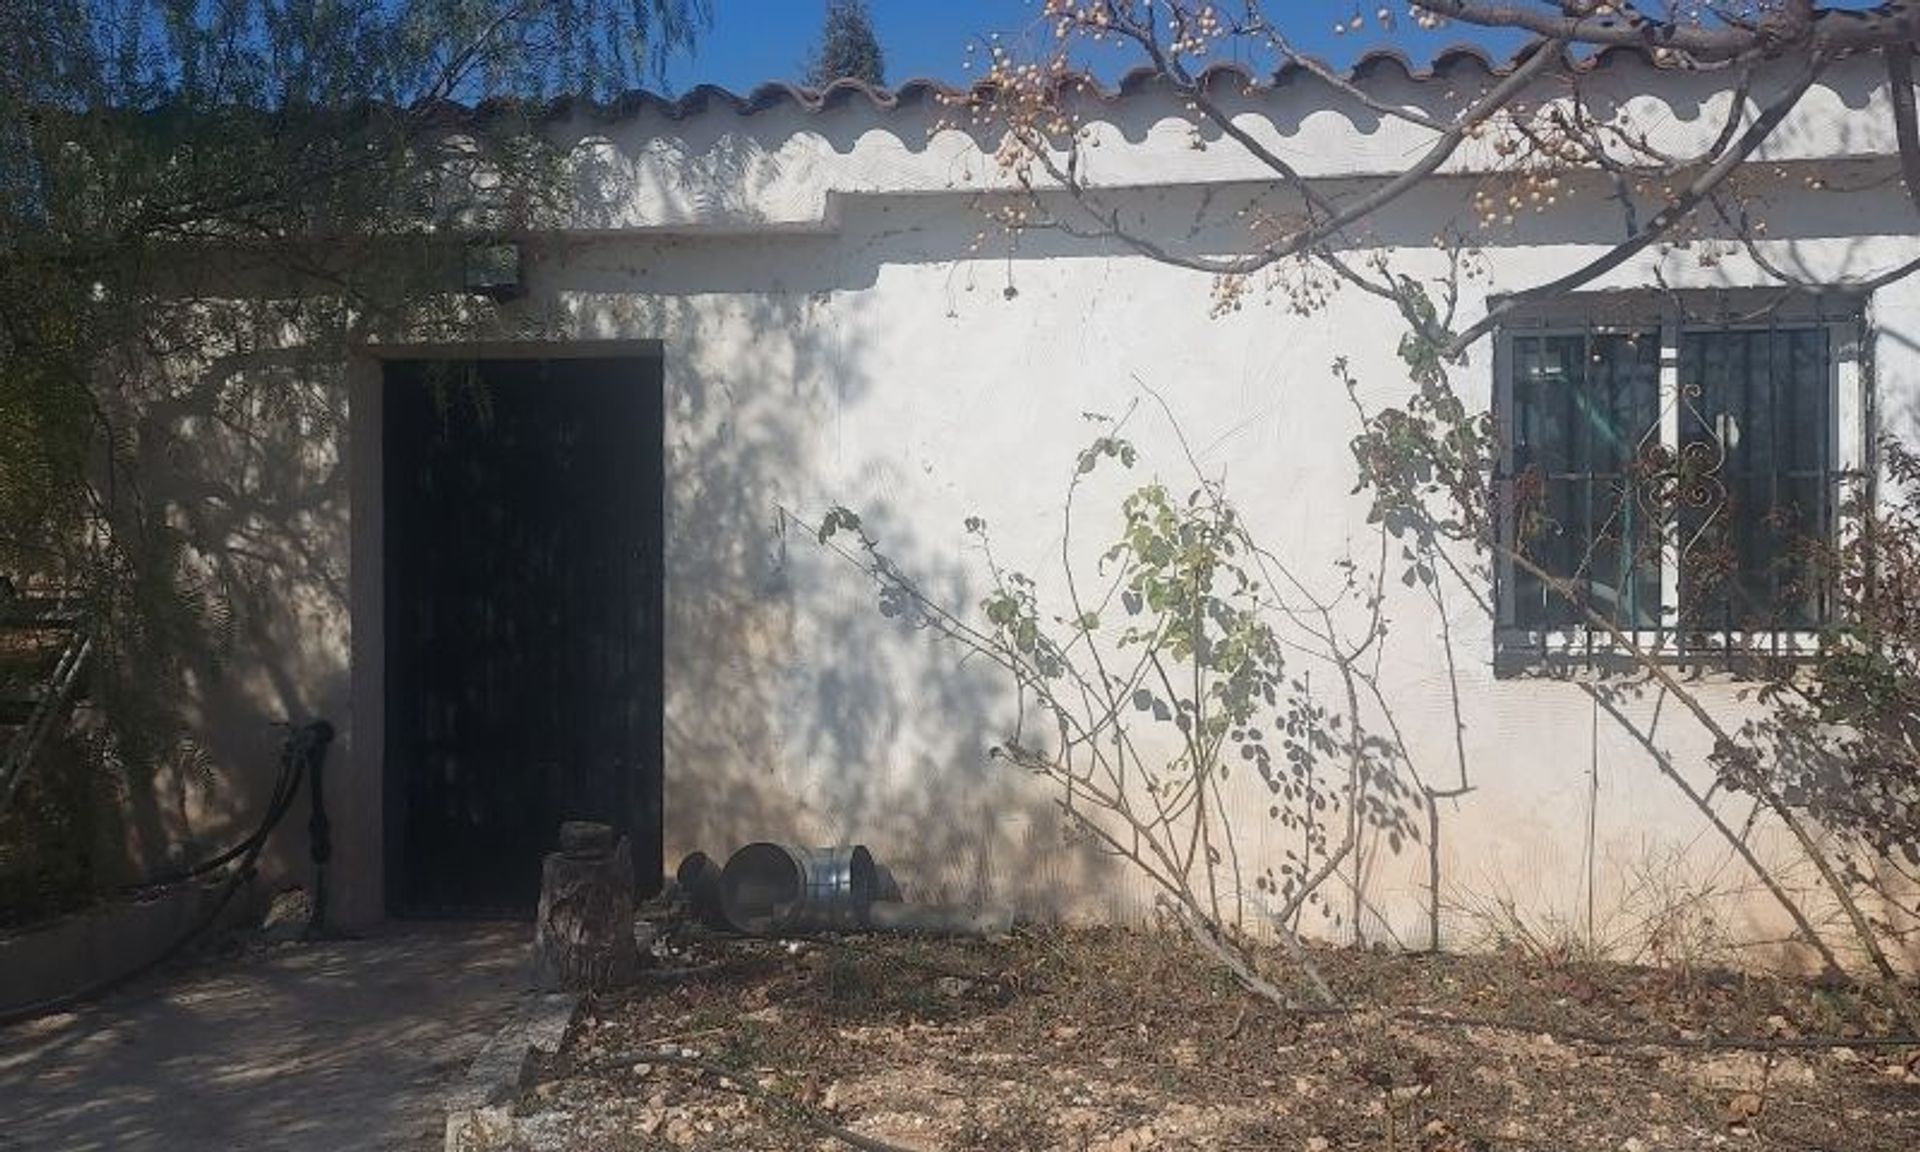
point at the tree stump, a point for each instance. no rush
(583, 934)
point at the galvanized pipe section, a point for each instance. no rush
(770, 889)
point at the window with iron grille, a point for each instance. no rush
(1670, 475)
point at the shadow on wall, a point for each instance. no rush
(878, 737)
(883, 738)
(796, 711)
(242, 458)
(232, 472)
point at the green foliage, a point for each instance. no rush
(1174, 669)
(1843, 731)
(848, 49)
(1426, 462)
(201, 205)
(1183, 582)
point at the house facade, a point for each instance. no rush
(770, 306)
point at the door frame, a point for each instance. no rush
(359, 799)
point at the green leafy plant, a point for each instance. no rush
(1428, 465)
(202, 207)
(1166, 684)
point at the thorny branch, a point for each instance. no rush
(1035, 109)
(1197, 654)
(1795, 39)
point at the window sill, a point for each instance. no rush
(1582, 653)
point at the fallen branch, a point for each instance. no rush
(1679, 1043)
(731, 1080)
(1199, 932)
(1335, 1009)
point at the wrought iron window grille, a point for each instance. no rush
(1670, 471)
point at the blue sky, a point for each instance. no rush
(753, 41)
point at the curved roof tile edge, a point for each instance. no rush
(1371, 65)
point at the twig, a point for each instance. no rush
(1259, 985)
(1701, 41)
(731, 1080)
(1239, 1022)
(1272, 993)
(1678, 1043)
(1663, 221)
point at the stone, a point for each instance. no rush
(1743, 1071)
(504, 1066)
(1741, 1110)
(1132, 1140)
(480, 1130)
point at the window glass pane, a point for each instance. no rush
(1548, 368)
(1810, 432)
(1585, 409)
(1754, 434)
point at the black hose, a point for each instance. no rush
(302, 753)
(285, 790)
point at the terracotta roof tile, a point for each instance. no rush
(1372, 66)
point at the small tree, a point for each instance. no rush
(848, 49)
(153, 156)
(1431, 465)
(1165, 683)
(1842, 738)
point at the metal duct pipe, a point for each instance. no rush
(768, 889)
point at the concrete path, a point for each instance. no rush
(341, 1045)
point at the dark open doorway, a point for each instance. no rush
(523, 537)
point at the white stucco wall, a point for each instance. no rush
(833, 335)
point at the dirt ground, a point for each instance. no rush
(1120, 1042)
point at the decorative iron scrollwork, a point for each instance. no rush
(1670, 481)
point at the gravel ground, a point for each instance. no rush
(1120, 1042)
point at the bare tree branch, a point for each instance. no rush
(1823, 33)
(1662, 221)
(1906, 125)
(1340, 216)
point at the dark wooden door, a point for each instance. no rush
(523, 540)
